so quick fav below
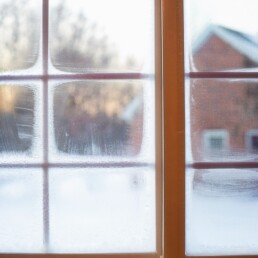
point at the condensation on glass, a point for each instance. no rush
(98, 118)
(102, 121)
(21, 211)
(223, 120)
(19, 41)
(212, 32)
(77, 127)
(85, 37)
(20, 133)
(221, 104)
(102, 210)
(221, 214)
(221, 203)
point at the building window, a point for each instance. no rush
(80, 128)
(252, 141)
(215, 141)
(220, 86)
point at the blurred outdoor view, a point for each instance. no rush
(19, 41)
(16, 118)
(99, 118)
(223, 113)
(222, 126)
(224, 119)
(19, 48)
(104, 210)
(85, 37)
(89, 118)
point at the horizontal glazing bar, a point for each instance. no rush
(220, 75)
(89, 76)
(115, 255)
(216, 165)
(77, 165)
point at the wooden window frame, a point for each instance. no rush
(174, 127)
(174, 147)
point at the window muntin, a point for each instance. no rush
(44, 104)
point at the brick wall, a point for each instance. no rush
(222, 104)
(215, 54)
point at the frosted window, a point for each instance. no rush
(77, 127)
(19, 125)
(19, 41)
(102, 121)
(221, 127)
(252, 140)
(21, 227)
(227, 109)
(221, 203)
(98, 118)
(84, 36)
(100, 210)
(221, 212)
(217, 41)
(215, 141)
(16, 118)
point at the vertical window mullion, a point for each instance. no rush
(45, 21)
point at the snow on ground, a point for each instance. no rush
(220, 224)
(102, 210)
(99, 210)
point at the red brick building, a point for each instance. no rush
(224, 112)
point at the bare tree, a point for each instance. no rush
(77, 43)
(84, 116)
(19, 30)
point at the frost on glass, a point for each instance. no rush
(17, 120)
(84, 36)
(102, 210)
(221, 212)
(21, 211)
(223, 119)
(19, 30)
(98, 118)
(216, 41)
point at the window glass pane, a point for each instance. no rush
(102, 119)
(21, 211)
(221, 212)
(84, 36)
(98, 118)
(223, 119)
(219, 41)
(102, 210)
(19, 41)
(94, 138)
(19, 125)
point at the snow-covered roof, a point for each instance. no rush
(131, 108)
(242, 42)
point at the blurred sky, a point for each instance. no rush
(237, 14)
(128, 23)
